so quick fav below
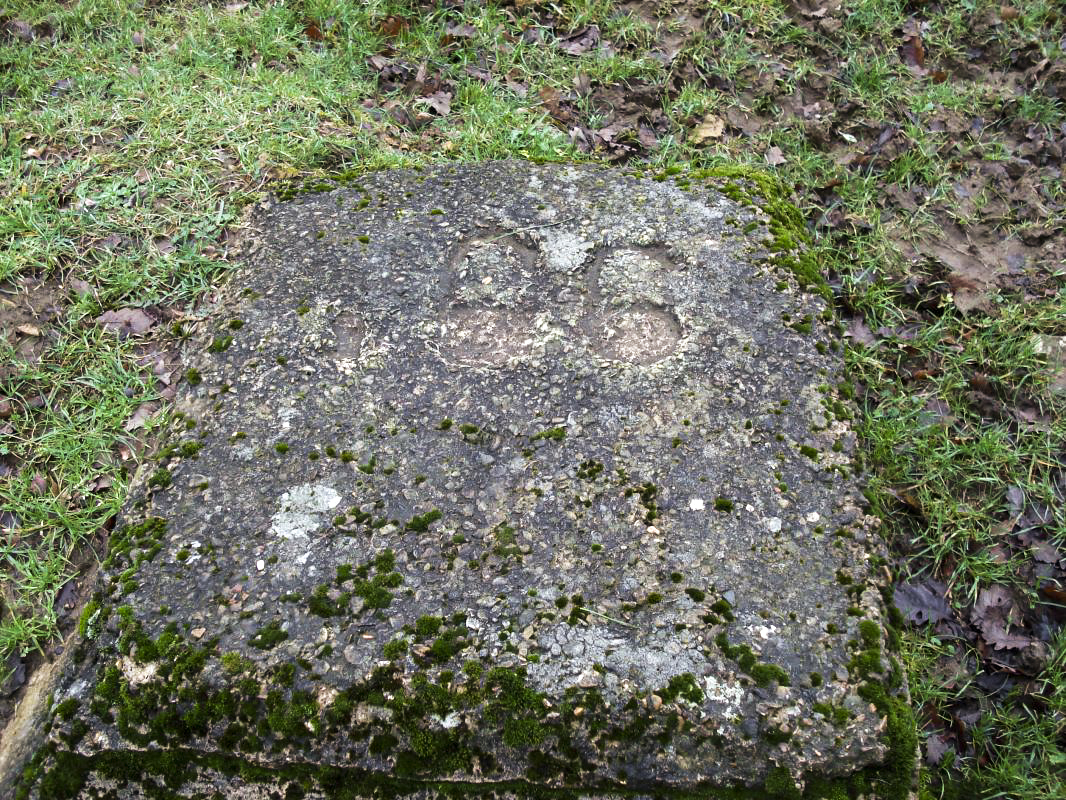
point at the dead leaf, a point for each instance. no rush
(940, 411)
(441, 102)
(745, 123)
(994, 613)
(1055, 594)
(987, 406)
(557, 106)
(233, 8)
(647, 137)
(619, 140)
(313, 32)
(163, 244)
(774, 157)
(912, 51)
(580, 41)
(99, 483)
(67, 595)
(61, 87)
(20, 29)
(126, 321)
(144, 412)
(38, 484)
(479, 73)
(1046, 553)
(972, 267)
(378, 62)
(712, 127)
(460, 30)
(859, 331)
(532, 35)
(109, 242)
(9, 524)
(1008, 12)
(579, 137)
(1001, 639)
(15, 667)
(393, 25)
(883, 138)
(29, 330)
(936, 747)
(922, 602)
(1053, 348)
(139, 40)
(394, 73)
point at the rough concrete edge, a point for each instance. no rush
(28, 726)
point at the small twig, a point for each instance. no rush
(530, 228)
(604, 616)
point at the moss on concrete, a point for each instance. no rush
(177, 708)
(789, 243)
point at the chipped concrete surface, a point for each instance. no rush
(542, 451)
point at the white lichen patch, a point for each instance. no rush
(285, 416)
(813, 402)
(486, 336)
(569, 653)
(494, 273)
(763, 632)
(325, 695)
(564, 251)
(731, 695)
(136, 673)
(193, 548)
(448, 722)
(315, 323)
(302, 510)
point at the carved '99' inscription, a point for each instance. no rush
(503, 304)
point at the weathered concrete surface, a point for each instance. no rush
(495, 474)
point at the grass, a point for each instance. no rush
(958, 479)
(135, 136)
